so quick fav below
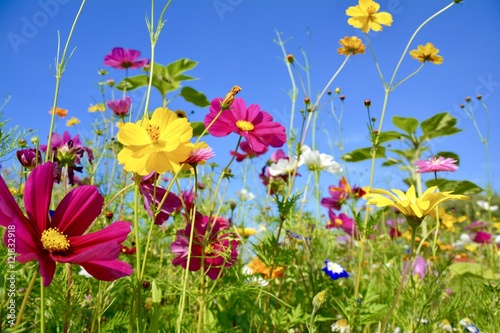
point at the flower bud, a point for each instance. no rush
(290, 58)
(29, 158)
(201, 185)
(329, 92)
(307, 100)
(146, 284)
(467, 99)
(374, 119)
(110, 82)
(232, 205)
(320, 299)
(479, 97)
(102, 72)
(229, 99)
(337, 90)
(109, 215)
(22, 143)
(34, 140)
(342, 97)
(368, 103)
(462, 106)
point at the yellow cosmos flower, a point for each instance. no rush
(415, 209)
(97, 107)
(351, 46)
(72, 122)
(447, 220)
(246, 232)
(365, 17)
(427, 52)
(158, 144)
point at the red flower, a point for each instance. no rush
(61, 238)
(124, 58)
(256, 126)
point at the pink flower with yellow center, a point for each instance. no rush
(255, 125)
(62, 237)
(124, 58)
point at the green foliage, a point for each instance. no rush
(457, 186)
(363, 154)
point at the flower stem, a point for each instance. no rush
(42, 306)
(25, 298)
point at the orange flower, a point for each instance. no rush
(258, 266)
(60, 112)
(351, 46)
(427, 52)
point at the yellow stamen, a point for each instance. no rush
(244, 125)
(54, 241)
(153, 132)
(338, 222)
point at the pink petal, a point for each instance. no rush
(47, 269)
(108, 270)
(78, 209)
(37, 195)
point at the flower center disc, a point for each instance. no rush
(244, 125)
(54, 241)
(153, 132)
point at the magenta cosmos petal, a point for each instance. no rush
(77, 210)
(108, 270)
(37, 196)
(223, 125)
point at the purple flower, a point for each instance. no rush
(124, 58)
(153, 195)
(29, 158)
(435, 164)
(342, 221)
(120, 107)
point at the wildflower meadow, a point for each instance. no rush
(151, 217)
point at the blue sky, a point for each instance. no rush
(233, 41)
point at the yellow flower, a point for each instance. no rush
(351, 46)
(365, 17)
(60, 112)
(258, 266)
(415, 209)
(427, 52)
(97, 107)
(447, 220)
(158, 144)
(72, 122)
(246, 232)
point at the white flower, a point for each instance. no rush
(464, 240)
(341, 326)
(283, 166)
(84, 273)
(319, 162)
(497, 239)
(484, 205)
(244, 195)
(253, 279)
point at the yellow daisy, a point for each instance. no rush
(351, 46)
(365, 17)
(97, 107)
(447, 220)
(427, 52)
(415, 209)
(72, 122)
(158, 144)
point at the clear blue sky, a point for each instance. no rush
(233, 42)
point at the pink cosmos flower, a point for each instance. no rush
(120, 107)
(247, 152)
(199, 155)
(482, 237)
(435, 164)
(342, 221)
(213, 247)
(62, 238)
(68, 152)
(124, 58)
(256, 126)
(153, 195)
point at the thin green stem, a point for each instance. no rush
(25, 298)
(42, 306)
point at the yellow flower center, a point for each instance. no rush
(209, 249)
(153, 132)
(371, 10)
(54, 241)
(338, 222)
(245, 125)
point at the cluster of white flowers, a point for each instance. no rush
(313, 159)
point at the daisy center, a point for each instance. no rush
(245, 125)
(153, 132)
(54, 241)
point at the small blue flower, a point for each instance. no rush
(334, 270)
(469, 326)
(297, 236)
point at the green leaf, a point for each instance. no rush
(406, 154)
(409, 125)
(133, 82)
(363, 154)
(391, 161)
(477, 269)
(193, 96)
(440, 124)
(180, 66)
(389, 136)
(457, 186)
(198, 128)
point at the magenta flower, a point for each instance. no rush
(420, 266)
(124, 58)
(62, 238)
(199, 155)
(213, 247)
(153, 195)
(68, 152)
(120, 107)
(435, 164)
(342, 221)
(256, 126)
(482, 237)
(29, 158)
(247, 152)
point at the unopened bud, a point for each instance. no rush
(462, 106)
(229, 99)
(110, 82)
(180, 114)
(290, 58)
(22, 143)
(34, 140)
(146, 284)
(337, 90)
(109, 215)
(329, 92)
(479, 97)
(320, 299)
(374, 119)
(232, 205)
(467, 99)
(342, 97)
(201, 185)
(102, 72)
(368, 102)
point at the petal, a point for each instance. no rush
(9, 210)
(108, 270)
(132, 134)
(77, 210)
(38, 194)
(47, 269)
